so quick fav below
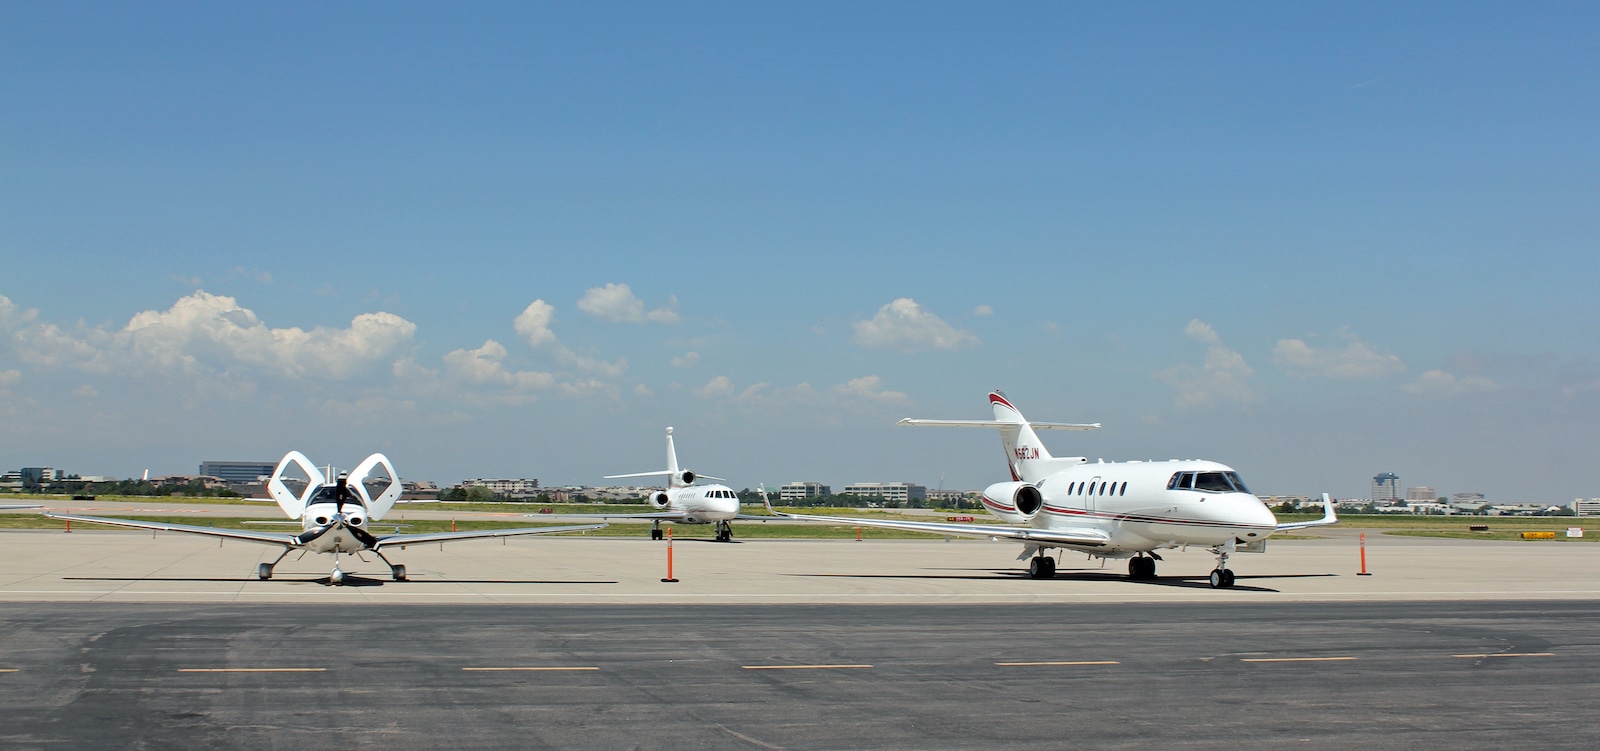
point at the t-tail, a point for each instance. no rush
(1026, 456)
(676, 477)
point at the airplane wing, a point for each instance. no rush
(418, 538)
(268, 538)
(1328, 517)
(662, 516)
(1087, 538)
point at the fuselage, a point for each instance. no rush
(342, 523)
(703, 504)
(1147, 506)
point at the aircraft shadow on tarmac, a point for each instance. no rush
(1188, 582)
(350, 580)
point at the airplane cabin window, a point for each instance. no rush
(1123, 490)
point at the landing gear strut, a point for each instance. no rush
(396, 570)
(1221, 577)
(724, 532)
(1042, 567)
(264, 570)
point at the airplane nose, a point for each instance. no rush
(1256, 514)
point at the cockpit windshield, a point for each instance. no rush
(1210, 482)
(330, 494)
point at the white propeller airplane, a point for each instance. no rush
(683, 502)
(334, 518)
(1108, 510)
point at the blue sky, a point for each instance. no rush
(1314, 241)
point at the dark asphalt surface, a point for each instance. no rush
(674, 677)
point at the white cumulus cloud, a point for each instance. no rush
(211, 334)
(1440, 382)
(617, 303)
(13, 317)
(869, 388)
(688, 360)
(1355, 360)
(533, 324)
(904, 326)
(1223, 377)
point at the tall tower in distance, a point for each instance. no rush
(1386, 488)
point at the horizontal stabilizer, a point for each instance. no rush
(998, 424)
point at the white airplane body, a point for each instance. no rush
(1107, 509)
(334, 515)
(682, 502)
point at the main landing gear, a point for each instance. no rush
(1142, 568)
(1042, 567)
(264, 570)
(1221, 577)
(655, 531)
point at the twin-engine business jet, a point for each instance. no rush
(683, 502)
(334, 516)
(1109, 510)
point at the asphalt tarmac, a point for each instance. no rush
(1224, 675)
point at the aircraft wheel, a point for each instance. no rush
(655, 534)
(399, 572)
(336, 578)
(1049, 567)
(1227, 578)
(1041, 567)
(1218, 580)
(264, 571)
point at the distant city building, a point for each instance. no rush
(1386, 488)
(1421, 493)
(1473, 500)
(800, 491)
(33, 476)
(889, 491)
(1583, 507)
(954, 495)
(520, 487)
(238, 473)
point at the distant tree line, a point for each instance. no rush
(192, 488)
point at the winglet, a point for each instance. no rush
(1329, 516)
(768, 502)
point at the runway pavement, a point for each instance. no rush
(1220, 675)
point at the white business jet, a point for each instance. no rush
(1108, 510)
(683, 502)
(334, 515)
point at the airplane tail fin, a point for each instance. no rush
(676, 477)
(672, 461)
(1022, 445)
(1026, 455)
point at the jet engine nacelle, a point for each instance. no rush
(658, 499)
(685, 478)
(1013, 501)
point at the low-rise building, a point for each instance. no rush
(1586, 507)
(900, 492)
(800, 491)
(517, 488)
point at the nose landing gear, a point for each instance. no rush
(1221, 577)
